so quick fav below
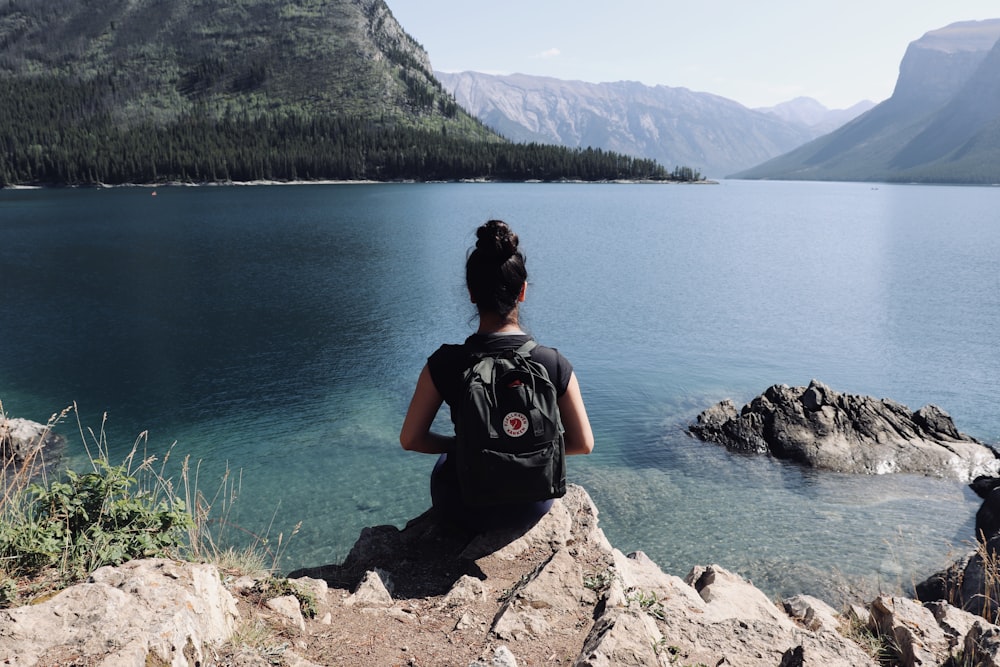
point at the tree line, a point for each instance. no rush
(52, 132)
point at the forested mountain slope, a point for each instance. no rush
(148, 90)
(161, 58)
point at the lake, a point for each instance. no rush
(277, 331)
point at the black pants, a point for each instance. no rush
(446, 497)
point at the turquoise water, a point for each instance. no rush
(278, 330)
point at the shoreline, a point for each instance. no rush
(477, 181)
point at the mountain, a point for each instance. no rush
(674, 126)
(159, 59)
(120, 91)
(809, 113)
(942, 123)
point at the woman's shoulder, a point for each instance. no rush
(557, 364)
(449, 360)
(447, 353)
(541, 350)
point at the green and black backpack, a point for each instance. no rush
(509, 438)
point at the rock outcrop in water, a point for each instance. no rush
(557, 593)
(822, 428)
(21, 440)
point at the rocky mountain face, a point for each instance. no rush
(942, 123)
(155, 60)
(674, 126)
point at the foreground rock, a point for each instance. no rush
(557, 593)
(149, 612)
(821, 428)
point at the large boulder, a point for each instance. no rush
(822, 428)
(559, 588)
(146, 612)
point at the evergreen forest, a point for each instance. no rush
(51, 134)
(142, 91)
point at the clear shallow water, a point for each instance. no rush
(279, 330)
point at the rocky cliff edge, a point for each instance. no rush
(557, 593)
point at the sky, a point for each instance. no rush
(756, 52)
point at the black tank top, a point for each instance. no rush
(449, 362)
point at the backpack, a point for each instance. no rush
(509, 438)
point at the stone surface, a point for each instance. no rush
(729, 596)
(142, 612)
(821, 428)
(555, 590)
(955, 623)
(982, 646)
(560, 589)
(287, 607)
(626, 638)
(566, 597)
(917, 635)
(812, 613)
(502, 657)
(372, 591)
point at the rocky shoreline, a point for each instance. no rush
(557, 593)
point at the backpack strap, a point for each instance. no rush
(525, 350)
(536, 419)
(484, 363)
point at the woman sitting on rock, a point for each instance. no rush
(496, 278)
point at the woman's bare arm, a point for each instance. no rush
(579, 436)
(416, 434)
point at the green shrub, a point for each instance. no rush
(8, 593)
(54, 533)
(272, 587)
(90, 520)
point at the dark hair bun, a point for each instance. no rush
(496, 239)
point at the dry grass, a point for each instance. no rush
(213, 532)
(209, 533)
(989, 597)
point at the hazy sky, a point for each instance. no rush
(757, 52)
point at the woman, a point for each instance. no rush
(496, 278)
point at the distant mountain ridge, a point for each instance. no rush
(674, 126)
(942, 123)
(810, 113)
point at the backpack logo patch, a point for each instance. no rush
(515, 424)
